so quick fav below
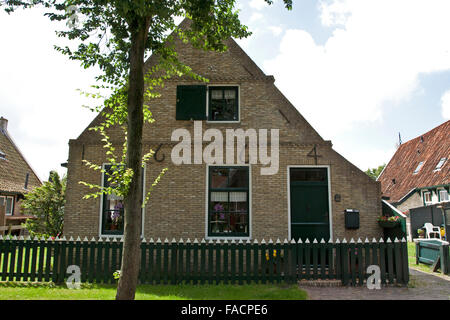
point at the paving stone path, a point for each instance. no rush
(422, 286)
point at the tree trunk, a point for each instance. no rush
(133, 201)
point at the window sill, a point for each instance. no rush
(222, 238)
(219, 122)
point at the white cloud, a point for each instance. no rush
(276, 30)
(377, 50)
(256, 16)
(258, 4)
(38, 90)
(445, 104)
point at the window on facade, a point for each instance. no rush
(440, 164)
(228, 208)
(443, 195)
(223, 104)
(426, 197)
(112, 209)
(419, 166)
(8, 202)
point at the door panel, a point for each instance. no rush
(309, 207)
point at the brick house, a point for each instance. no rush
(418, 174)
(305, 198)
(16, 178)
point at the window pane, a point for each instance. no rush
(229, 94)
(2, 200)
(308, 174)
(238, 178)
(219, 178)
(113, 216)
(216, 94)
(223, 104)
(440, 163)
(9, 205)
(418, 167)
(443, 195)
(238, 202)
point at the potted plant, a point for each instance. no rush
(421, 233)
(388, 222)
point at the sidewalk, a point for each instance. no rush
(422, 286)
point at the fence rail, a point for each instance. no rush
(201, 262)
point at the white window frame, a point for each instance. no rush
(419, 167)
(443, 164)
(250, 211)
(439, 194)
(423, 197)
(119, 236)
(12, 204)
(207, 102)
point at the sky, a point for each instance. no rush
(359, 71)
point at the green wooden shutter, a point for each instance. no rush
(191, 102)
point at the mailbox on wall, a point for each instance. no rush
(351, 219)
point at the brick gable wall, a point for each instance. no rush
(177, 208)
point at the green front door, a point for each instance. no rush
(309, 204)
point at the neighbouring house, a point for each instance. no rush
(419, 172)
(16, 179)
(305, 198)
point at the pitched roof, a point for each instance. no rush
(398, 178)
(242, 68)
(14, 167)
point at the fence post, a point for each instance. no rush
(210, 261)
(293, 265)
(188, 261)
(143, 268)
(390, 262)
(398, 261)
(359, 256)
(240, 261)
(405, 265)
(278, 264)
(248, 261)
(173, 261)
(383, 262)
(337, 247)
(307, 259)
(323, 264)
(344, 260)
(256, 264)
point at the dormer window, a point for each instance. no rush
(419, 166)
(426, 197)
(440, 164)
(443, 195)
(2, 155)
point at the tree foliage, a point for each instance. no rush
(375, 172)
(117, 36)
(46, 203)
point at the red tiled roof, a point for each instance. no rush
(14, 168)
(429, 148)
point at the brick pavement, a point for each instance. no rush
(422, 286)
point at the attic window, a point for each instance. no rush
(2, 155)
(223, 104)
(440, 164)
(418, 167)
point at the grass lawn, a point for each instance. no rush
(16, 291)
